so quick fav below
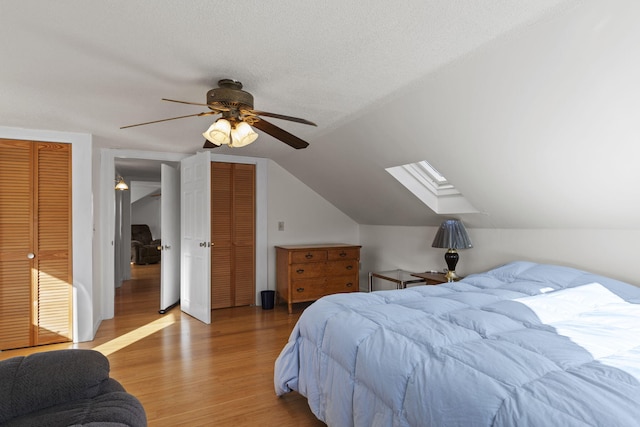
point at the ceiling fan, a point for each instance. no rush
(234, 127)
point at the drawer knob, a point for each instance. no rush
(349, 285)
(308, 256)
(349, 267)
(300, 271)
(300, 289)
(343, 254)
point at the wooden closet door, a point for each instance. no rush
(53, 270)
(35, 243)
(232, 234)
(244, 190)
(221, 223)
(16, 242)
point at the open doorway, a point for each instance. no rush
(140, 226)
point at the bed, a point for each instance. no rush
(524, 344)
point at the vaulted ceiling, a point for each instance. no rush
(529, 108)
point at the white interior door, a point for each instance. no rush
(170, 226)
(195, 213)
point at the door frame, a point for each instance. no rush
(108, 216)
(108, 206)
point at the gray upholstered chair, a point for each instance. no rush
(65, 388)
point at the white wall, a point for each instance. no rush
(308, 218)
(122, 238)
(396, 247)
(611, 253)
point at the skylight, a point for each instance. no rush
(432, 188)
(432, 172)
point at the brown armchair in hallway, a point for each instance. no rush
(144, 250)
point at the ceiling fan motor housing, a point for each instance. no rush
(230, 94)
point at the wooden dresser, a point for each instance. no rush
(308, 272)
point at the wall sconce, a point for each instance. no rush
(121, 185)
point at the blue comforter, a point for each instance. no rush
(522, 345)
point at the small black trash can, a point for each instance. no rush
(268, 299)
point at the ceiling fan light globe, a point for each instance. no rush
(209, 138)
(218, 133)
(242, 134)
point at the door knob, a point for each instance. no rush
(31, 255)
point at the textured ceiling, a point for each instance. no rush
(81, 66)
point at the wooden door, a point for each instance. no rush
(16, 243)
(36, 285)
(232, 234)
(53, 270)
(244, 224)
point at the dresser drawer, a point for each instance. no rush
(342, 268)
(337, 254)
(341, 284)
(308, 256)
(305, 271)
(308, 289)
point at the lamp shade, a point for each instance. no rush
(452, 235)
(121, 185)
(242, 135)
(218, 133)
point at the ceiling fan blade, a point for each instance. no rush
(209, 144)
(280, 134)
(185, 102)
(283, 117)
(207, 113)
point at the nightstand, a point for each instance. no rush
(401, 278)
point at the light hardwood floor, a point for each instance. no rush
(187, 373)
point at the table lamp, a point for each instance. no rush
(452, 235)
